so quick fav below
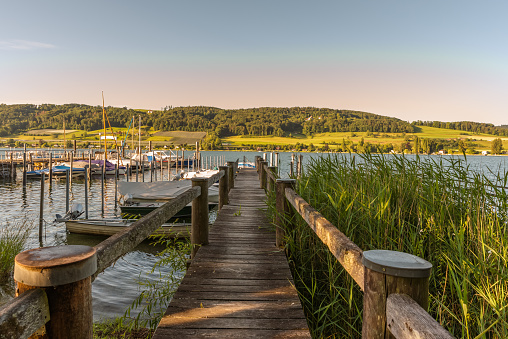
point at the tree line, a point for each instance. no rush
(468, 126)
(222, 122)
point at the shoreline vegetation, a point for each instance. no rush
(433, 208)
(13, 239)
(265, 128)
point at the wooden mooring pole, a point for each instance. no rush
(67, 191)
(64, 273)
(50, 168)
(199, 228)
(86, 191)
(262, 183)
(223, 187)
(231, 165)
(24, 169)
(41, 209)
(388, 272)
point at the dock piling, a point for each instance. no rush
(199, 228)
(63, 272)
(41, 209)
(223, 187)
(388, 272)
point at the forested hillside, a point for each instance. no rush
(468, 126)
(255, 121)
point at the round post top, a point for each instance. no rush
(54, 266)
(397, 264)
(199, 179)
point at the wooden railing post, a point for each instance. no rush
(388, 272)
(223, 187)
(231, 165)
(270, 185)
(284, 209)
(64, 273)
(257, 159)
(263, 168)
(199, 229)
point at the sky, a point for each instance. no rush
(413, 60)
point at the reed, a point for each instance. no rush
(435, 208)
(13, 238)
(157, 286)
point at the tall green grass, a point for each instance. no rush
(439, 210)
(13, 238)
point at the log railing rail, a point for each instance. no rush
(72, 268)
(395, 284)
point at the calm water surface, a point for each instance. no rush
(115, 289)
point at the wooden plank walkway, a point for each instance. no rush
(238, 286)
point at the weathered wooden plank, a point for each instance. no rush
(240, 274)
(239, 285)
(234, 323)
(406, 319)
(273, 283)
(230, 334)
(24, 315)
(218, 295)
(283, 309)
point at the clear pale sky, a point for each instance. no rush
(414, 60)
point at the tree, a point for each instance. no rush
(497, 146)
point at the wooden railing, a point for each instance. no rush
(394, 284)
(54, 283)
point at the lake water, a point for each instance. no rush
(116, 288)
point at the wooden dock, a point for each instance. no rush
(239, 285)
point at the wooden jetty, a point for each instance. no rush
(239, 285)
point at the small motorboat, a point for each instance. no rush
(57, 171)
(112, 226)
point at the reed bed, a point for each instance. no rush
(435, 208)
(13, 238)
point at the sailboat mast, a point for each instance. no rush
(132, 138)
(139, 141)
(104, 124)
(65, 143)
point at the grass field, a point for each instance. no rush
(483, 140)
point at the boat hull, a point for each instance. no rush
(111, 227)
(184, 215)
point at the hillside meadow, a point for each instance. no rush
(479, 142)
(482, 141)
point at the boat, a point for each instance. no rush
(57, 171)
(199, 174)
(140, 198)
(96, 166)
(159, 191)
(112, 226)
(136, 210)
(162, 157)
(116, 159)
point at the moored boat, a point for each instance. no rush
(112, 226)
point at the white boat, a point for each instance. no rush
(199, 174)
(158, 191)
(112, 226)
